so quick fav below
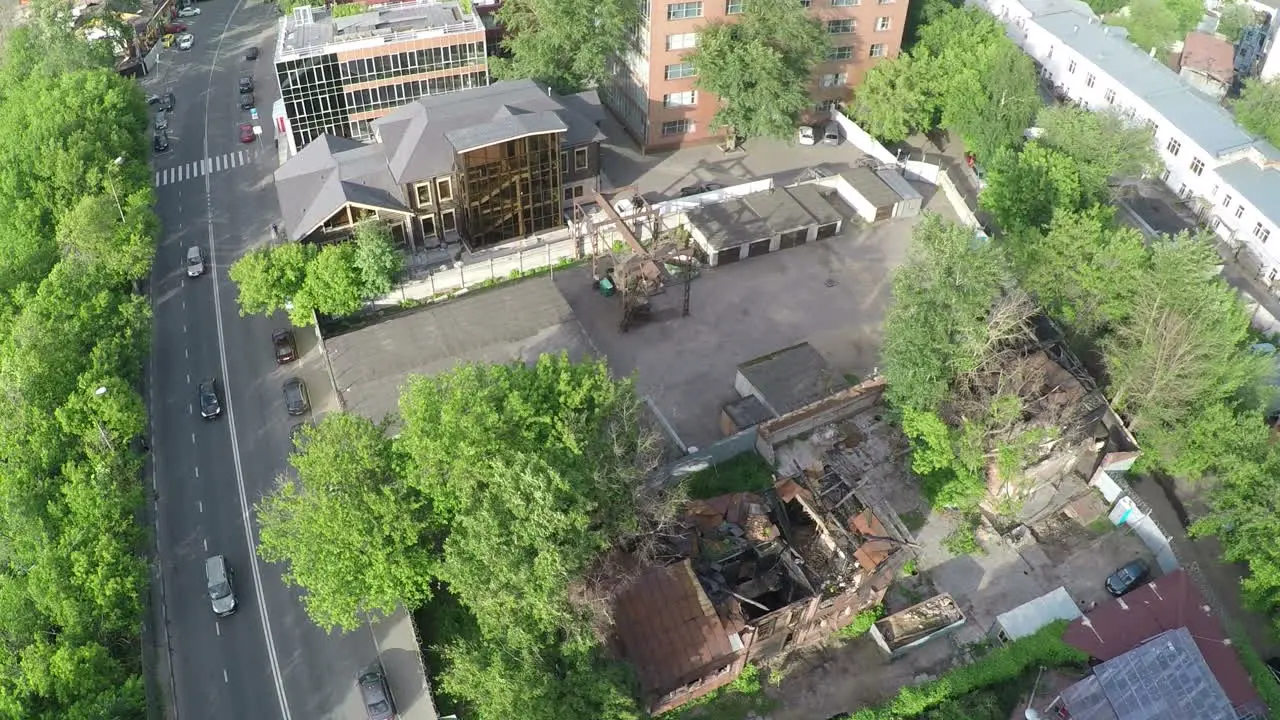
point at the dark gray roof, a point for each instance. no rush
(422, 137)
(898, 184)
(1165, 678)
(789, 379)
(760, 215)
(520, 320)
(329, 173)
(870, 186)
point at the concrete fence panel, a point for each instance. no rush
(860, 139)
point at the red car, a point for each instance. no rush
(175, 28)
(246, 133)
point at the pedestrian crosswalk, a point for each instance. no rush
(200, 168)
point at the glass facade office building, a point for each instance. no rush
(512, 189)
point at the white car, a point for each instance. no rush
(805, 136)
(188, 12)
(185, 41)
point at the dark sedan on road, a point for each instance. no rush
(295, 396)
(246, 84)
(286, 349)
(246, 101)
(378, 702)
(1128, 577)
(210, 406)
(689, 190)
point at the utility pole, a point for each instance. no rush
(114, 164)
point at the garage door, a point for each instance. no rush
(792, 239)
(759, 247)
(828, 230)
(733, 254)
(884, 213)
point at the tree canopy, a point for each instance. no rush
(73, 339)
(759, 67)
(563, 43)
(1258, 108)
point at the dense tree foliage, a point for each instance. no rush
(1107, 148)
(759, 68)
(962, 72)
(1258, 108)
(563, 43)
(73, 338)
(1233, 18)
(507, 485)
(334, 280)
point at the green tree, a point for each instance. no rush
(895, 99)
(269, 278)
(1106, 147)
(1258, 108)
(333, 285)
(949, 460)
(377, 258)
(1186, 341)
(1153, 25)
(356, 538)
(1233, 18)
(563, 43)
(1083, 269)
(937, 321)
(759, 68)
(1025, 187)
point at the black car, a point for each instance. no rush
(160, 141)
(1128, 577)
(246, 101)
(210, 406)
(167, 101)
(375, 693)
(295, 396)
(286, 349)
(252, 54)
(699, 189)
(246, 84)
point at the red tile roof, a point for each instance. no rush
(1169, 602)
(1209, 54)
(668, 628)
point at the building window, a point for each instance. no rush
(882, 24)
(680, 70)
(1182, 190)
(581, 158)
(834, 80)
(684, 10)
(447, 221)
(677, 127)
(428, 226)
(688, 98)
(1261, 233)
(1109, 96)
(1089, 80)
(884, 2)
(826, 106)
(1071, 67)
(682, 41)
(806, 3)
(845, 3)
(1164, 176)
(733, 7)
(444, 189)
(1197, 167)
(422, 193)
(1239, 210)
(1174, 147)
(877, 50)
(840, 27)
(844, 52)
(564, 164)
(1226, 201)
(573, 193)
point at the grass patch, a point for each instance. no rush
(862, 622)
(964, 539)
(909, 567)
(962, 690)
(736, 701)
(914, 520)
(1263, 681)
(1101, 526)
(747, 472)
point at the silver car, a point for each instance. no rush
(222, 595)
(195, 261)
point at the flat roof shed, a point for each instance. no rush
(1030, 616)
(728, 224)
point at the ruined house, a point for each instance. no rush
(749, 576)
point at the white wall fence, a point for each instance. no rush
(498, 266)
(861, 140)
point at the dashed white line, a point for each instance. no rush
(186, 353)
(224, 676)
(193, 438)
(184, 328)
(197, 471)
(188, 378)
(217, 626)
(206, 544)
(200, 507)
(191, 409)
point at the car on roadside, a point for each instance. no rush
(689, 190)
(187, 12)
(1127, 577)
(160, 141)
(210, 404)
(831, 134)
(806, 136)
(251, 54)
(162, 120)
(168, 101)
(195, 261)
(153, 99)
(376, 694)
(217, 577)
(246, 101)
(296, 401)
(246, 133)
(246, 84)
(285, 348)
(175, 29)
(186, 41)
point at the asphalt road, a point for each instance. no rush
(267, 660)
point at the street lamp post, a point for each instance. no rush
(102, 432)
(115, 163)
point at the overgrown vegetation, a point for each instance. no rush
(967, 691)
(335, 280)
(76, 232)
(747, 472)
(740, 699)
(862, 623)
(1258, 108)
(511, 490)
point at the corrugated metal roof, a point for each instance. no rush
(1030, 616)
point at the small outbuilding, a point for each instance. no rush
(1029, 617)
(876, 194)
(788, 379)
(762, 222)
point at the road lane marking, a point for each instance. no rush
(217, 626)
(193, 438)
(186, 353)
(272, 658)
(191, 409)
(197, 471)
(188, 378)
(200, 507)
(206, 544)
(224, 676)
(184, 328)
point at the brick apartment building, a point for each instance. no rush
(339, 74)
(653, 88)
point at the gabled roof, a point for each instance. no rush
(422, 137)
(1167, 603)
(327, 174)
(1210, 55)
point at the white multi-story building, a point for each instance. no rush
(1230, 177)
